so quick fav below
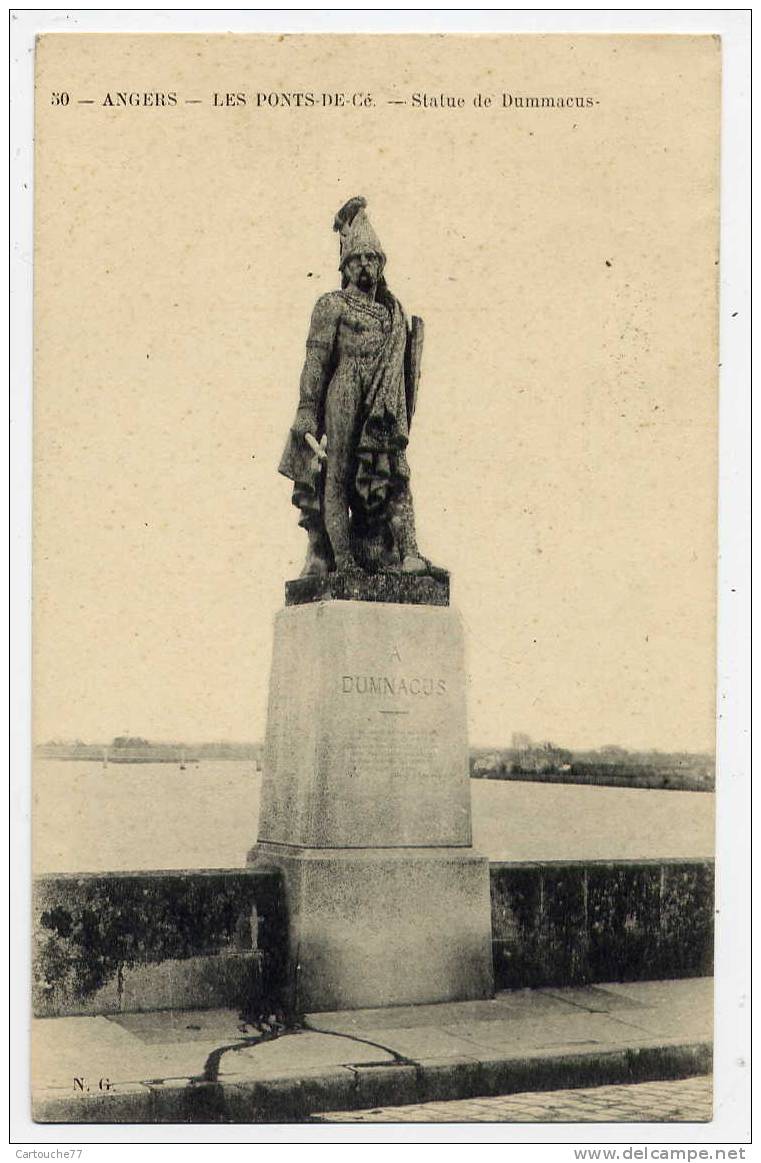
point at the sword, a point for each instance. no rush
(319, 450)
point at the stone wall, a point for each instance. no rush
(119, 942)
(567, 923)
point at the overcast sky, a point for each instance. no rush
(563, 452)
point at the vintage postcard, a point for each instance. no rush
(375, 558)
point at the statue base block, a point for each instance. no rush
(432, 589)
(383, 927)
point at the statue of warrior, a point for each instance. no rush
(346, 448)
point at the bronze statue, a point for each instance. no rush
(346, 448)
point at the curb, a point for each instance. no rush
(300, 1096)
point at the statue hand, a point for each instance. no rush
(305, 422)
(317, 449)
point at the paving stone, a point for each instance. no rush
(507, 1005)
(582, 1029)
(82, 1047)
(299, 1051)
(683, 1023)
(175, 1026)
(420, 1042)
(689, 992)
(593, 998)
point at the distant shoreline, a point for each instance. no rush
(644, 778)
(647, 770)
(127, 750)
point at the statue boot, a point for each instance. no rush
(411, 560)
(318, 561)
(415, 564)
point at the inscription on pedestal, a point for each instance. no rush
(370, 684)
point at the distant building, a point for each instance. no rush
(488, 764)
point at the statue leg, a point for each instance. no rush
(406, 537)
(307, 499)
(318, 554)
(337, 516)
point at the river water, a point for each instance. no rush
(150, 816)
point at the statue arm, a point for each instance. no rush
(320, 343)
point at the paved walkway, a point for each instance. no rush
(209, 1066)
(686, 1101)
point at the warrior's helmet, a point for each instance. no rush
(356, 233)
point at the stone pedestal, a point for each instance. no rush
(366, 807)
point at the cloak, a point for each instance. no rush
(379, 472)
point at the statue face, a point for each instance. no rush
(363, 270)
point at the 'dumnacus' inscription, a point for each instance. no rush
(382, 685)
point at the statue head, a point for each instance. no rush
(362, 257)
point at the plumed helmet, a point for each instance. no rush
(356, 232)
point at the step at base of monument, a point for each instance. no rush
(384, 926)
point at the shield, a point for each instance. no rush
(413, 356)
